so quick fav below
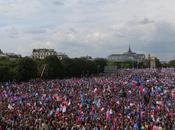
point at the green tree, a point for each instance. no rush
(67, 67)
(5, 74)
(78, 67)
(146, 63)
(54, 67)
(40, 65)
(26, 69)
(100, 63)
(6, 67)
(158, 63)
(172, 63)
(91, 67)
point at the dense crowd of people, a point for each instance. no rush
(92, 103)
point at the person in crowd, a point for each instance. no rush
(92, 103)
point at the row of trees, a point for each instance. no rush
(24, 69)
(128, 64)
(134, 64)
(51, 67)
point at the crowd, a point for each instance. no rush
(92, 103)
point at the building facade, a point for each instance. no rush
(10, 55)
(13, 55)
(43, 53)
(2, 54)
(127, 56)
(61, 55)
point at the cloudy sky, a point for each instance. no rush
(88, 27)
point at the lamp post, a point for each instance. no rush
(123, 95)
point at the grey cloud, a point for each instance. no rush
(72, 31)
(35, 31)
(9, 32)
(58, 2)
(80, 27)
(165, 31)
(160, 42)
(146, 21)
(96, 2)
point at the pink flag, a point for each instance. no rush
(107, 116)
(141, 89)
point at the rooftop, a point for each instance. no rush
(129, 52)
(44, 49)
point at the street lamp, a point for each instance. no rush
(123, 95)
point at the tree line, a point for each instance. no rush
(135, 64)
(24, 69)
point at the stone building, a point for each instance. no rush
(9, 55)
(61, 55)
(2, 54)
(13, 55)
(127, 56)
(43, 53)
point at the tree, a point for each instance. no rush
(172, 63)
(40, 65)
(26, 69)
(54, 67)
(6, 69)
(146, 63)
(91, 67)
(78, 67)
(67, 67)
(101, 63)
(5, 74)
(158, 63)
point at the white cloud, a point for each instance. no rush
(94, 27)
(19, 8)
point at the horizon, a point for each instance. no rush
(146, 55)
(105, 57)
(95, 28)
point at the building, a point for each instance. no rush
(2, 54)
(87, 57)
(10, 55)
(153, 62)
(61, 55)
(43, 53)
(13, 55)
(127, 56)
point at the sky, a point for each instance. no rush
(96, 28)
